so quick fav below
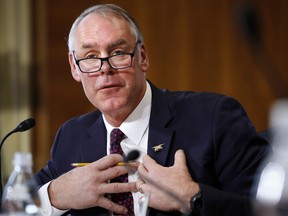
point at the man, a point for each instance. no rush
(198, 151)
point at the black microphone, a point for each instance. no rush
(249, 23)
(132, 156)
(23, 126)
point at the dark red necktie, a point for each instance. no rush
(124, 199)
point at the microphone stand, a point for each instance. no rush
(1, 144)
(23, 126)
(249, 24)
(3, 140)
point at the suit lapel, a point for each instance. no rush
(94, 146)
(160, 136)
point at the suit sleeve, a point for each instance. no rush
(238, 152)
(49, 172)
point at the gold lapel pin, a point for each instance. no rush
(158, 147)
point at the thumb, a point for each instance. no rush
(180, 159)
(148, 162)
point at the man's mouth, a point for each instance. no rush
(109, 86)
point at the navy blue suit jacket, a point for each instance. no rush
(222, 147)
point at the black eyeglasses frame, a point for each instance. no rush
(132, 54)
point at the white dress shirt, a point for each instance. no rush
(135, 127)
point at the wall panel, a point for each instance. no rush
(193, 45)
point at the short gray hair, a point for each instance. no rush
(106, 9)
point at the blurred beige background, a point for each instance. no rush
(193, 45)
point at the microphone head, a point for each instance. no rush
(249, 24)
(132, 155)
(25, 125)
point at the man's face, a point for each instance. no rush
(115, 92)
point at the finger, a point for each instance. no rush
(112, 172)
(147, 168)
(139, 185)
(180, 159)
(143, 172)
(113, 207)
(141, 188)
(132, 166)
(148, 162)
(118, 187)
(107, 161)
(139, 182)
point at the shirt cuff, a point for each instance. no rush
(46, 207)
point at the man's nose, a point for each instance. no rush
(106, 68)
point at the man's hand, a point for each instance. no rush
(170, 188)
(86, 187)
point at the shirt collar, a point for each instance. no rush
(137, 122)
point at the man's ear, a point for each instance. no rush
(144, 58)
(73, 67)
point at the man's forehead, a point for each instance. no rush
(97, 18)
(101, 31)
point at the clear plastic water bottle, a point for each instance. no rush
(20, 195)
(272, 190)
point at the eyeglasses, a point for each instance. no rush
(119, 61)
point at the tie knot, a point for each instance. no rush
(116, 137)
(117, 134)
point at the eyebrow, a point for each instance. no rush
(89, 45)
(118, 43)
(96, 45)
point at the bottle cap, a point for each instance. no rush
(23, 159)
(279, 114)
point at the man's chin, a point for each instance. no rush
(111, 106)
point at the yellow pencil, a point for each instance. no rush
(118, 164)
(79, 164)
